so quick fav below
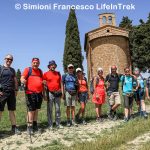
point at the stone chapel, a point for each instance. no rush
(106, 46)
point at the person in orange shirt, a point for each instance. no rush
(32, 78)
(54, 88)
(82, 94)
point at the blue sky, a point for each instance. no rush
(41, 33)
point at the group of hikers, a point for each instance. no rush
(72, 87)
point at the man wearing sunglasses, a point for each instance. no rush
(8, 91)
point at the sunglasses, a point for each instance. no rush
(126, 71)
(70, 67)
(9, 59)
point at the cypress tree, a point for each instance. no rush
(72, 49)
(18, 76)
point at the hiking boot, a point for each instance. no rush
(131, 117)
(59, 127)
(73, 123)
(145, 115)
(99, 119)
(16, 131)
(37, 130)
(84, 122)
(30, 130)
(50, 128)
(110, 116)
(68, 123)
(115, 118)
(125, 119)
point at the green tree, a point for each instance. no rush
(140, 41)
(18, 75)
(72, 49)
(126, 23)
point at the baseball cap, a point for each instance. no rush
(70, 65)
(78, 69)
(100, 69)
(35, 59)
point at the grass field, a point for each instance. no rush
(116, 138)
(21, 113)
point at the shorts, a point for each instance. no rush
(11, 102)
(139, 95)
(128, 101)
(114, 98)
(83, 97)
(34, 101)
(70, 100)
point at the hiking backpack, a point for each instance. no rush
(75, 82)
(134, 82)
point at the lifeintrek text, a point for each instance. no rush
(57, 6)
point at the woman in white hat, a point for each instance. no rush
(82, 94)
(99, 93)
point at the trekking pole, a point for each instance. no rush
(27, 109)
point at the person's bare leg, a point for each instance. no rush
(100, 110)
(114, 107)
(73, 112)
(30, 118)
(12, 117)
(126, 112)
(68, 112)
(97, 110)
(35, 115)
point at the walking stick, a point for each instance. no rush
(27, 109)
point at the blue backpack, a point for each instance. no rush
(70, 82)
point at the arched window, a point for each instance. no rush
(104, 20)
(110, 20)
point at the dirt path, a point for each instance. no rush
(67, 136)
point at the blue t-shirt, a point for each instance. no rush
(140, 81)
(127, 84)
(70, 82)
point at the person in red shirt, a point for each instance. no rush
(82, 94)
(32, 78)
(99, 93)
(53, 82)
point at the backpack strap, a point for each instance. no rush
(29, 73)
(1, 70)
(64, 77)
(86, 81)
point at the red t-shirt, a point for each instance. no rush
(34, 82)
(53, 79)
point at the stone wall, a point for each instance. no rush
(108, 51)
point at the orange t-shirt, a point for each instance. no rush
(34, 82)
(82, 86)
(53, 79)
